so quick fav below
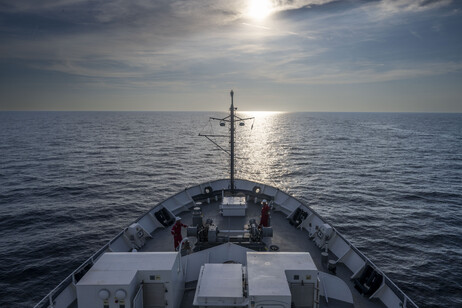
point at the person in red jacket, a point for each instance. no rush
(176, 232)
(264, 218)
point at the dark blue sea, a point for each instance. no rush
(390, 182)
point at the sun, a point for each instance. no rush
(259, 9)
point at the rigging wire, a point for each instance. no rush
(211, 135)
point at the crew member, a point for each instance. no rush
(176, 232)
(264, 218)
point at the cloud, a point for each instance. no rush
(23, 6)
(283, 5)
(386, 9)
(345, 73)
(395, 6)
(141, 43)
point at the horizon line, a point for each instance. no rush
(243, 111)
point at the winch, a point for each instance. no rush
(208, 234)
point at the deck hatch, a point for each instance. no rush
(219, 284)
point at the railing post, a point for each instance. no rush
(50, 297)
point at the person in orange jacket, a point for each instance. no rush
(176, 232)
(264, 218)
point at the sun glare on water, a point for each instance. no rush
(259, 9)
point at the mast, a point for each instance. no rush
(232, 141)
(232, 118)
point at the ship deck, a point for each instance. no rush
(286, 236)
(147, 234)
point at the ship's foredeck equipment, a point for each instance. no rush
(229, 265)
(233, 206)
(221, 285)
(125, 279)
(209, 235)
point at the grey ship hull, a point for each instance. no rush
(295, 229)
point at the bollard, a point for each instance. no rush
(332, 267)
(324, 257)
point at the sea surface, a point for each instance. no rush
(390, 182)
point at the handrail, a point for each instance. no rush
(387, 280)
(403, 296)
(325, 289)
(316, 297)
(48, 299)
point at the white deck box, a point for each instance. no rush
(233, 206)
(272, 276)
(220, 285)
(115, 280)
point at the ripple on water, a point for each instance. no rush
(390, 183)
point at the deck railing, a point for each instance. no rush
(48, 300)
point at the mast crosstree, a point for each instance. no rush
(232, 118)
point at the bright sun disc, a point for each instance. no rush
(259, 9)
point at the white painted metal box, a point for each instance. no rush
(233, 206)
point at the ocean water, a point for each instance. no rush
(390, 182)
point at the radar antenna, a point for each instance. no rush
(232, 118)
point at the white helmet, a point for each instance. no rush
(177, 218)
(264, 201)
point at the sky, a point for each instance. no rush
(277, 55)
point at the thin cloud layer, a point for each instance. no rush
(192, 43)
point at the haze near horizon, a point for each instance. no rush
(281, 55)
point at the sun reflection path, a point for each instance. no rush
(261, 157)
